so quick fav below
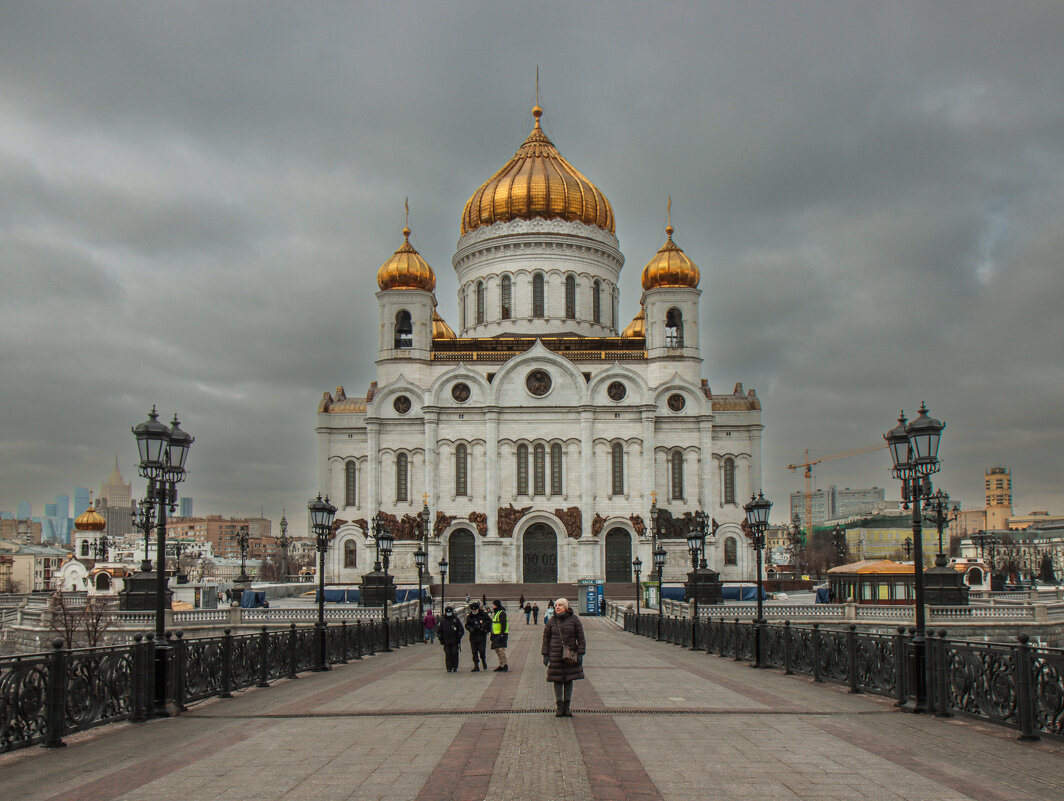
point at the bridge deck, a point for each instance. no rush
(652, 721)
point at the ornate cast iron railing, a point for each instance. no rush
(1014, 684)
(44, 697)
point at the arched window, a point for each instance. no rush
(729, 480)
(506, 298)
(539, 470)
(480, 302)
(677, 475)
(402, 475)
(461, 471)
(570, 298)
(522, 470)
(404, 330)
(84, 547)
(555, 469)
(537, 295)
(617, 469)
(350, 554)
(350, 484)
(673, 329)
(975, 577)
(462, 297)
(103, 582)
(731, 551)
(596, 302)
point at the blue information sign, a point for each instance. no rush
(593, 597)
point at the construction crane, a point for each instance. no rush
(808, 465)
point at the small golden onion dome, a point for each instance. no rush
(638, 326)
(90, 520)
(670, 267)
(538, 182)
(406, 269)
(440, 329)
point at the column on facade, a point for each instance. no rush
(432, 419)
(587, 472)
(755, 460)
(324, 464)
(491, 463)
(706, 470)
(648, 458)
(373, 431)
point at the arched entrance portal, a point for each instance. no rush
(618, 555)
(541, 555)
(462, 554)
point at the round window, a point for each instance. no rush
(460, 392)
(402, 404)
(616, 391)
(676, 402)
(538, 382)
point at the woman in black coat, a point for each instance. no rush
(563, 627)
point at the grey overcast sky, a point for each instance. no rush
(195, 198)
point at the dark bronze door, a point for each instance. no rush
(462, 554)
(541, 555)
(618, 555)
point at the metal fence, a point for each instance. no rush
(46, 696)
(1014, 684)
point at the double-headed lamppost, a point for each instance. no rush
(757, 519)
(163, 451)
(385, 540)
(914, 452)
(696, 545)
(284, 542)
(637, 566)
(442, 565)
(659, 568)
(939, 511)
(242, 581)
(424, 549)
(321, 519)
(143, 517)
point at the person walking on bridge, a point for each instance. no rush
(450, 632)
(563, 654)
(535, 614)
(478, 624)
(500, 634)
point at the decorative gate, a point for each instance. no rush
(462, 554)
(618, 555)
(541, 555)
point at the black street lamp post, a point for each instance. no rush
(385, 540)
(907, 544)
(940, 513)
(163, 451)
(637, 566)
(321, 520)
(795, 538)
(420, 559)
(424, 548)
(100, 547)
(442, 565)
(242, 581)
(757, 519)
(659, 567)
(143, 516)
(914, 452)
(284, 542)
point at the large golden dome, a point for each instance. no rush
(638, 327)
(440, 329)
(670, 267)
(538, 182)
(406, 269)
(90, 520)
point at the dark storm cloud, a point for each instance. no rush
(194, 200)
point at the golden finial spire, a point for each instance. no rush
(406, 218)
(668, 212)
(537, 112)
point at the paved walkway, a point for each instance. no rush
(652, 721)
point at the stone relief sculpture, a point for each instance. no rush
(597, 524)
(508, 517)
(670, 527)
(442, 521)
(480, 520)
(571, 519)
(637, 524)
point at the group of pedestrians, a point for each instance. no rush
(563, 646)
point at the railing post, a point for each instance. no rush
(293, 666)
(137, 713)
(851, 658)
(180, 661)
(227, 665)
(371, 647)
(818, 672)
(787, 648)
(343, 642)
(264, 658)
(737, 628)
(1024, 695)
(940, 678)
(723, 638)
(900, 689)
(55, 690)
(149, 675)
(358, 639)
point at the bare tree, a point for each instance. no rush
(81, 625)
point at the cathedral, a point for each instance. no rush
(539, 437)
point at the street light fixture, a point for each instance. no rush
(321, 520)
(163, 451)
(385, 540)
(757, 519)
(421, 558)
(442, 565)
(659, 567)
(425, 519)
(284, 542)
(914, 453)
(637, 566)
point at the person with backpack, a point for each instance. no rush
(478, 624)
(450, 632)
(563, 654)
(430, 626)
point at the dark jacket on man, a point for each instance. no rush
(478, 624)
(449, 630)
(567, 627)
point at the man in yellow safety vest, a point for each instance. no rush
(500, 634)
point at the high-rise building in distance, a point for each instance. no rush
(998, 497)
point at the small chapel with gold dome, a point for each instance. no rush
(540, 431)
